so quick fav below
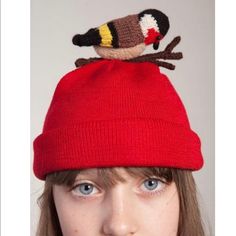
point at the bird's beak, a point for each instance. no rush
(156, 45)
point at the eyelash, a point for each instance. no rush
(155, 191)
(146, 193)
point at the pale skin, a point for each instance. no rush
(138, 207)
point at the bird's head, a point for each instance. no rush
(154, 25)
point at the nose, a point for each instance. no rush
(119, 219)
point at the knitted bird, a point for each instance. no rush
(126, 37)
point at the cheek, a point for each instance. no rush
(151, 36)
(158, 216)
(163, 218)
(166, 216)
(76, 218)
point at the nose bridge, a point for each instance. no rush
(119, 219)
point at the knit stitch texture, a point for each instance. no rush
(112, 113)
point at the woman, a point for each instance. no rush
(165, 203)
(117, 155)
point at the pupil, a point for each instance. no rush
(151, 182)
(86, 188)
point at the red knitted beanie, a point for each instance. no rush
(112, 113)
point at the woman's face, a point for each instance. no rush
(138, 207)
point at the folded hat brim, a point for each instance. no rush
(117, 143)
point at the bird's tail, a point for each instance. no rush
(92, 37)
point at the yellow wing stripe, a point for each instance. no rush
(106, 36)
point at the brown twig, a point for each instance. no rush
(172, 44)
(167, 54)
(83, 61)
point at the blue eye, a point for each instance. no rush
(151, 184)
(84, 189)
